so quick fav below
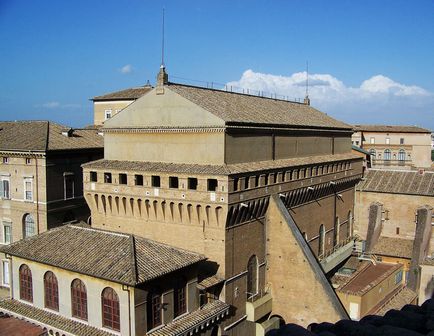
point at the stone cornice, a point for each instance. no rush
(22, 153)
(190, 129)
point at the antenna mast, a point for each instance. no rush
(306, 99)
(162, 41)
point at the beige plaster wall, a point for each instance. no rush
(402, 211)
(99, 108)
(199, 148)
(291, 275)
(426, 288)
(94, 287)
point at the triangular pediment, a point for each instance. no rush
(163, 110)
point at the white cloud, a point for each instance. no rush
(57, 105)
(378, 99)
(126, 69)
(51, 104)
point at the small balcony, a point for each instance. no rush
(339, 253)
(258, 306)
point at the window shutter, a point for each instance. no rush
(1, 189)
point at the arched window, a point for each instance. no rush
(387, 154)
(110, 309)
(180, 298)
(154, 310)
(79, 299)
(336, 232)
(401, 155)
(26, 285)
(321, 239)
(252, 277)
(29, 228)
(51, 291)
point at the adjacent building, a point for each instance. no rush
(41, 183)
(259, 192)
(397, 147)
(108, 105)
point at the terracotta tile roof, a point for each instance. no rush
(398, 182)
(47, 319)
(391, 129)
(247, 109)
(405, 296)
(209, 282)
(128, 94)
(11, 326)
(116, 257)
(188, 324)
(45, 136)
(394, 247)
(216, 169)
(368, 277)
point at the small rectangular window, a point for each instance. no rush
(397, 230)
(122, 178)
(236, 183)
(93, 176)
(5, 267)
(108, 114)
(192, 183)
(68, 185)
(173, 182)
(398, 277)
(138, 180)
(401, 141)
(28, 161)
(28, 190)
(266, 179)
(5, 159)
(357, 143)
(7, 232)
(246, 183)
(387, 141)
(212, 184)
(257, 179)
(372, 140)
(4, 188)
(155, 181)
(107, 177)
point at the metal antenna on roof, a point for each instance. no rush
(162, 41)
(306, 98)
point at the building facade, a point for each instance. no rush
(108, 105)
(41, 183)
(395, 147)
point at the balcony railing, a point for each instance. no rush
(259, 305)
(338, 254)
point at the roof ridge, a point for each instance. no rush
(119, 234)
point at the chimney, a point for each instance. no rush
(162, 79)
(307, 100)
(67, 132)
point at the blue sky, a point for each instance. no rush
(369, 61)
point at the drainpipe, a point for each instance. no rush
(127, 289)
(37, 195)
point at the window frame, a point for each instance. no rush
(3, 193)
(26, 283)
(51, 291)
(28, 194)
(156, 181)
(212, 184)
(110, 309)
(68, 177)
(138, 180)
(93, 176)
(180, 299)
(173, 182)
(79, 300)
(108, 114)
(25, 227)
(123, 178)
(6, 224)
(108, 178)
(6, 281)
(192, 183)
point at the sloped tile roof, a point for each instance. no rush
(127, 94)
(45, 136)
(188, 324)
(398, 182)
(210, 282)
(394, 247)
(47, 319)
(405, 296)
(391, 129)
(247, 109)
(216, 169)
(11, 326)
(116, 257)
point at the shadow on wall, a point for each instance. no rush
(411, 320)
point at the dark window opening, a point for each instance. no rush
(122, 178)
(93, 176)
(212, 184)
(51, 291)
(180, 302)
(110, 309)
(107, 177)
(138, 180)
(192, 183)
(235, 183)
(246, 183)
(26, 284)
(155, 181)
(173, 182)
(154, 310)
